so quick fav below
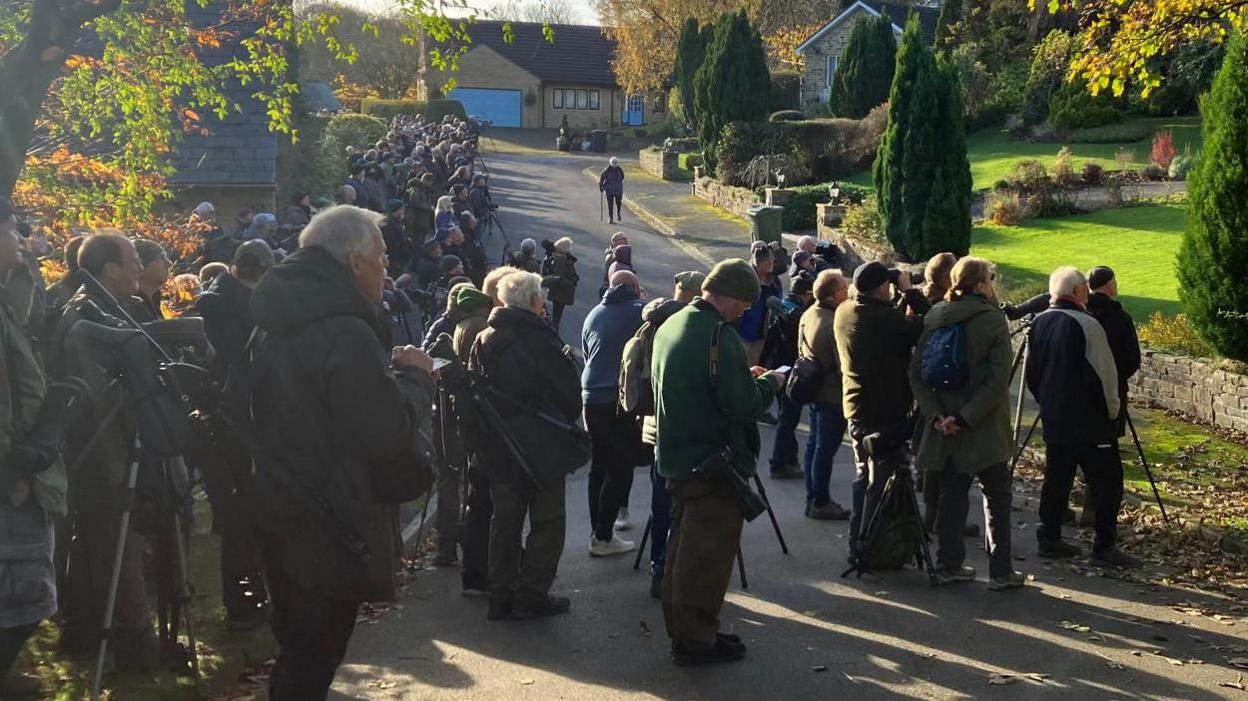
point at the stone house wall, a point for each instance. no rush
(815, 73)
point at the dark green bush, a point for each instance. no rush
(787, 116)
(800, 212)
(343, 130)
(1073, 107)
(818, 149)
(786, 90)
(433, 110)
(864, 74)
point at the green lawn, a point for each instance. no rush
(1139, 243)
(993, 154)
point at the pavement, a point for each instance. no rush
(1071, 634)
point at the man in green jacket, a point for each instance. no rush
(707, 399)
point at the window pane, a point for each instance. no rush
(593, 99)
(558, 99)
(582, 100)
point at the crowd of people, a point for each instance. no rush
(365, 353)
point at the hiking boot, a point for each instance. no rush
(656, 587)
(729, 641)
(1013, 580)
(621, 520)
(16, 685)
(787, 472)
(526, 609)
(970, 530)
(959, 575)
(447, 555)
(692, 654)
(1116, 558)
(605, 548)
(500, 607)
(830, 511)
(1058, 549)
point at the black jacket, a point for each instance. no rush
(398, 247)
(1124, 344)
(874, 340)
(479, 198)
(330, 413)
(226, 309)
(1070, 372)
(523, 358)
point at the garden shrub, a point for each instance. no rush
(1174, 334)
(1125, 133)
(799, 211)
(345, 130)
(688, 161)
(816, 150)
(1163, 151)
(1215, 242)
(863, 221)
(787, 116)
(1004, 208)
(786, 90)
(1048, 203)
(1063, 170)
(1152, 171)
(432, 110)
(1029, 176)
(1073, 107)
(1180, 167)
(1093, 174)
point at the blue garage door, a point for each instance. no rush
(502, 107)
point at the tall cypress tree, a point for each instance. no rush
(950, 14)
(1214, 253)
(921, 171)
(864, 75)
(733, 84)
(690, 53)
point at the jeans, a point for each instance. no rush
(660, 521)
(616, 444)
(827, 430)
(1102, 469)
(951, 517)
(312, 634)
(784, 453)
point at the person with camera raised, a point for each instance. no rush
(964, 399)
(707, 402)
(533, 383)
(342, 427)
(874, 339)
(1071, 373)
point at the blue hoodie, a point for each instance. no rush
(608, 327)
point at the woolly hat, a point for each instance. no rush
(449, 263)
(759, 250)
(803, 283)
(690, 280)
(869, 276)
(1100, 276)
(254, 253)
(733, 278)
(393, 206)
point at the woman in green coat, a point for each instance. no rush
(967, 429)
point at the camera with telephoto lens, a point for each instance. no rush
(894, 275)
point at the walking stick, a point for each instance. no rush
(741, 568)
(601, 196)
(1147, 470)
(641, 547)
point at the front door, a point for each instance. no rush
(634, 113)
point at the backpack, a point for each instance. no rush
(895, 535)
(636, 393)
(943, 359)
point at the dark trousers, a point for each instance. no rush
(524, 568)
(450, 457)
(616, 442)
(1102, 469)
(660, 521)
(12, 640)
(242, 584)
(312, 633)
(475, 531)
(556, 314)
(614, 203)
(90, 569)
(952, 510)
(827, 430)
(871, 473)
(784, 451)
(705, 535)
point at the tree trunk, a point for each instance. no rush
(28, 71)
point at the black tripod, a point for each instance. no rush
(762, 492)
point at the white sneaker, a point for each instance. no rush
(621, 520)
(615, 546)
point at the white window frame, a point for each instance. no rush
(557, 100)
(833, 62)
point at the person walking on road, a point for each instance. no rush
(611, 184)
(707, 402)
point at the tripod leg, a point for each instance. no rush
(924, 556)
(184, 598)
(1147, 470)
(115, 577)
(1020, 358)
(762, 492)
(1023, 446)
(741, 568)
(641, 547)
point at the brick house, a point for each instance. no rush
(822, 51)
(534, 83)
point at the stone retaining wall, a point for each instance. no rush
(659, 163)
(737, 200)
(1193, 386)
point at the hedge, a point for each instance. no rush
(432, 110)
(817, 150)
(800, 211)
(786, 90)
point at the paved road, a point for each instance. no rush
(811, 634)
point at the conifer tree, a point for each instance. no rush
(864, 74)
(733, 84)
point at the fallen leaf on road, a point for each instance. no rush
(526, 682)
(1095, 637)
(1241, 662)
(819, 668)
(1077, 627)
(1114, 665)
(1136, 653)
(1004, 679)
(1038, 677)
(645, 629)
(1063, 596)
(882, 593)
(1237, 684)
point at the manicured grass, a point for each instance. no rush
(1139, 243)
(993, 154)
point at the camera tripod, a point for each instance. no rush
(775, 525)
(898, 493)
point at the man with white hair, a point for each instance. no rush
(611, 184)
(1071, 373)
(534, 386)
(342, 425)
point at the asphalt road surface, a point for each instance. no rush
(811, 634)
